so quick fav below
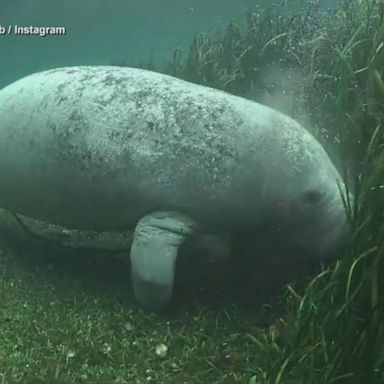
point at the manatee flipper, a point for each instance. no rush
(157, 239)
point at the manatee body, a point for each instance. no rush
(110, 148)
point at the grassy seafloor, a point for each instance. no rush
(72, 319)
(64, 320)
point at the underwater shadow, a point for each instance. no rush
(244, 278)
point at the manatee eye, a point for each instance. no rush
(312, 196)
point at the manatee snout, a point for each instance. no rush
(324, 231)
(335, 233)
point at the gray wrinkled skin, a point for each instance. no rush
(101, 148)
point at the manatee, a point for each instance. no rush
(112, 148)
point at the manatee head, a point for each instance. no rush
(303, 196)
(319, 221)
